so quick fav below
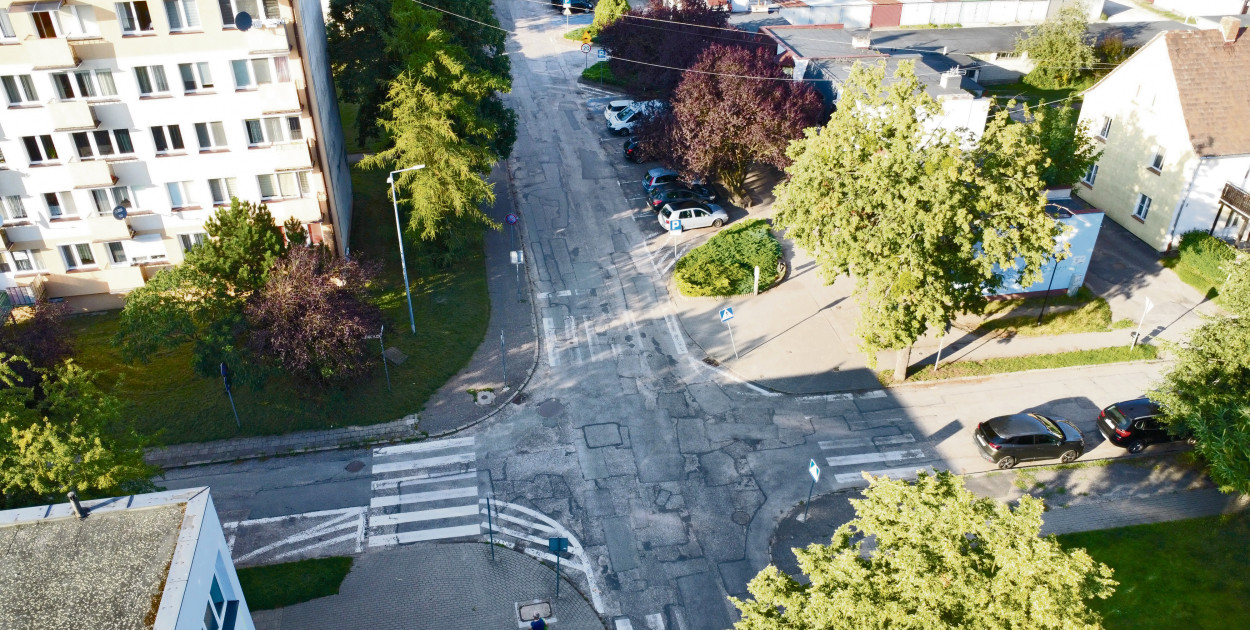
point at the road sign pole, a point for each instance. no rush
(385, 368)
(490, 526)
(1137, 335)
(809, 499)
(757, 280)
(731, 338)
(503, 357)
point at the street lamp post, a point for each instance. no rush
(400, 233)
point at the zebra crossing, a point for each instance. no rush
(903, 462)
(424, 491)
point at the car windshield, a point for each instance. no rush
(1050, 426)
(1118, 418)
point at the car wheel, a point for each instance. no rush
(1136, 446)
(1191, 440)
(1007, 462)
(717, 223)
(1068, 457)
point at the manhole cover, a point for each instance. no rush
(741, 518)
(550, 408)
(485, 398)
(354, 466)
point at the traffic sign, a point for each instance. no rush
(510, 219)
(601, 54)
(813, 470)
(585, 37)
(586, 48)
(674, 225)
(726, 314)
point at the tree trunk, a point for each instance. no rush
(901, 360)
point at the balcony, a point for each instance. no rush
(91, 282)
(279, 98)
(72, 116)
(105, 228)
(306, 209)
(268, 38)
(90, 173)
(292, 157)
(5, 242)
(51, 53)
(1236, 198)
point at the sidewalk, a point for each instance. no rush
(1133, 491)
(437, 586)
(451, 408)
(799, 336)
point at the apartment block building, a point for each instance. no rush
(166, 109)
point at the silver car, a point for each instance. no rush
(692, 215)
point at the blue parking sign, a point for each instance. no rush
(602, 54)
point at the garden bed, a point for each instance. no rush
(725, 264)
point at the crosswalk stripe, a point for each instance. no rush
(906, 472)
(590, 339)
(570, 334)
(422, 447)
(845, 443)
(889, 440)
(522, 522)
(675, 332)
(428, 462)
(423, 497)
(414, 480)
(655, 621)
(868, 458)
(565, 563)
(387, 540)
(387, 520)
(549, 333)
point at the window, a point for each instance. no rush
(272, 130)
(190, 241)
(117, 253)
(1157, 161)
(20, 90)
(195, 77)
(1143, 206)
(183, 15)
(180, 195)
(223, 190)
(297, 132)
(13, 208)
(1090, 175)
(39, 149)
(1105, 128)
(79, 21)
(84, 84)
(212, 136)
(231, 8)
(46, 24)
(167, 138)
(26, 260)
(102, 143)
(6, 26)
(134, 17)
(151, 80)
(249, 73)
(77, 256)
(283, 185)
(105, 199)
(59, 204)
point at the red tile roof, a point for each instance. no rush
(1213, 79)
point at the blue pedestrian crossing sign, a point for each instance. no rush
(602, 54)
(813, 470)
(726, 314)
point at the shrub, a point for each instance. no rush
(1206, 256)
(725, 265)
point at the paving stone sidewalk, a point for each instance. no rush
(437, 586)
(451, 408)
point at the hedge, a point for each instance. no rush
(725, 265)
(1202, 260)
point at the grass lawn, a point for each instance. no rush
(1092, 314)
(452, 309)
(600, 71)
(278, 585)
(1034, 95)
(347, 114)
(1189, 575)
(576, 34)
(1019, 364)
(1192, 277)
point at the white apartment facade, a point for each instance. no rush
(168, 109)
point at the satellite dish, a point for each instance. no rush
(119, 213)
(243, 21)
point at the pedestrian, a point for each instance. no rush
(538, 623)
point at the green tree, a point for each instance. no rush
(201, 301)
(362, 65)
(1204, 393)
(943, 558)
(607, 12)
(924, 227)
(68, 434)
(1070, 148)
(1060, 47)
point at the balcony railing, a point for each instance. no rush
(71, 116)
(90, 173)
(268, 37)
(278, 98)
(50, 53)
(1236, 197)
(292, 157)
(104, 227)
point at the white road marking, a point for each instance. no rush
(655, 621)
(518, 521)
(341, 522)
(590, 339)
(828, 445)
(275, 519)
(389, 540)
(889, 440)
(624, 624)
(422, 447)
(420, 479)
(423, 497)
(906, 472)
(869, 458)
(565, 563)
(570, 334)
(575, 547)
(876, 393)
(675, 332)
(730, 375)
(428, 462)
(542, 296)
(324, 543)
(549, 333)
(388, 520)
(565, 293)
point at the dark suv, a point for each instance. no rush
(1133, 425)
(1008, 440)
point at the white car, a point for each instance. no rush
(623, 122)
(614, 107)
(692, 214)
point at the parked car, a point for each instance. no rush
(678, 191)
(658, 177)
(614, 107)
(1133, 425)
(631, 150)
(623, 122)
(693, 214)
(1008, 440)
(575, 6)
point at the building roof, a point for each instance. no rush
(1213, 81)
(108, 571)
(929, 69)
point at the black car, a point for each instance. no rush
(631, 150)
(678, 191)
(1008, 440)
(1133, 425)
(575, 6)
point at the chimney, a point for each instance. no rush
(79, 510)
(950, 78)
(1229, 26)
(861, 41)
